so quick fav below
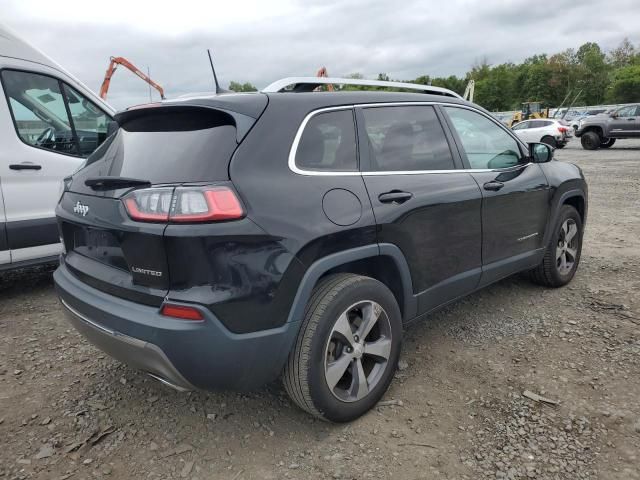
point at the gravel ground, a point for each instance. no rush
(456, 409)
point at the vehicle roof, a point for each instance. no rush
(13, 46)
(252, 104)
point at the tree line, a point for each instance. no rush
(588, 74)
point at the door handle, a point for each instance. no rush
(25, 166)
(493, 186)
(631, 119)
(394, 196)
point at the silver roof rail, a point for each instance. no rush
(308, 84)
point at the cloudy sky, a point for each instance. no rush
(261, 41)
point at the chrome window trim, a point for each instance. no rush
(294, 147)
(332, 173)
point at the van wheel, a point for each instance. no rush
(549, 140)
(607, 143)
(347, 349)
(562, 254)
(590, 141)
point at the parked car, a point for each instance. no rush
(49, 123)
(575, 122)
(223, 241)
(550, 131)
(601, 131)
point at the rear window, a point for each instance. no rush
(167, 146)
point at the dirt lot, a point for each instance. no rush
(456, 409)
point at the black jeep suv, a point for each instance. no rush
(221, 242)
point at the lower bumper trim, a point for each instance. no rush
(137, 353)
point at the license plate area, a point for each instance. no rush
(100, 245)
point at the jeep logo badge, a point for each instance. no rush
(81, 209)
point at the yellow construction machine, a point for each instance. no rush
(530, 110)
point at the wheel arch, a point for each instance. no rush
(594, 128)
(574, 197)
(384, 262)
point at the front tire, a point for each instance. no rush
(562, 255)
(347, 349)
(590, 141)
(608, 143)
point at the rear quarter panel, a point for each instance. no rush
(288, 206)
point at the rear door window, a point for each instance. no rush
(328, 143)
(407, 138)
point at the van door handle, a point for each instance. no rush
(394, 196)
(493, 186)
(25, 166)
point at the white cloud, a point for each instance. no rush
(260, 41)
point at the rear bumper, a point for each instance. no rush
(136, 353)
(184, 354)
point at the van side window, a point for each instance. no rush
(51, 115)
(89, 121)
(39, 111)
(328, 143)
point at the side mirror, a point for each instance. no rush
(540, 152)
(613, 115)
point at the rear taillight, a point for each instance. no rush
(149, 204)
(210, 204)
(181, 312)
(563, 129)
(183, 204)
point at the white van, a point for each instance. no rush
(49, 123)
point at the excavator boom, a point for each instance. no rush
(113, 64)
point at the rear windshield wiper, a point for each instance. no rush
(113, 183)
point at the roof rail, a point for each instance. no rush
(308, 84)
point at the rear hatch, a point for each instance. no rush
(162, 160)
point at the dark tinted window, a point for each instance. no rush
(150, 147)
(328, 143)
(406, 139)
(485, 143)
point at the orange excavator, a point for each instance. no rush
(113, 64)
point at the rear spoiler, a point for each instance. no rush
(167, 117)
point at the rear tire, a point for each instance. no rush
(590, 141)
(608, 143)
(549, 140)
(562, 254)
(331, 372)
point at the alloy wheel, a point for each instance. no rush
(358, 350)
(567, 248)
